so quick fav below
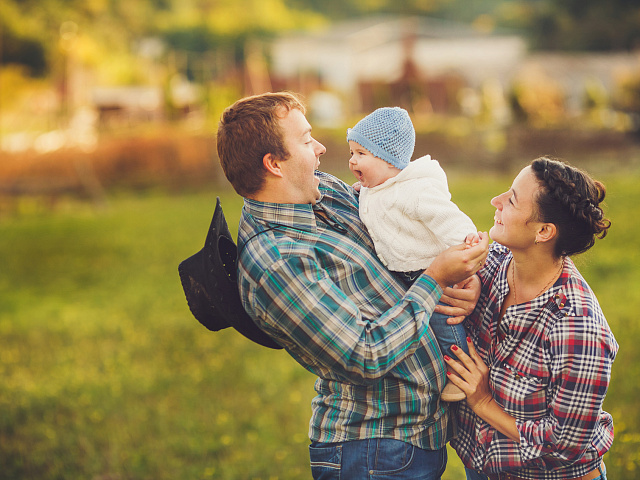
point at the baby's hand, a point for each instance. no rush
(472, 240)
(357, 186)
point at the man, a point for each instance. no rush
(309, 277)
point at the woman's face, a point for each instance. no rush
(514, 225)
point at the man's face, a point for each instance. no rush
(301, 185)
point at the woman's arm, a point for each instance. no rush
(473, 380)
(581, 361)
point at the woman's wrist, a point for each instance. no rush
(493, 414)
(484, 406)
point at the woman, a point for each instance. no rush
(537, 378)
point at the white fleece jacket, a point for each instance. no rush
(411, 217)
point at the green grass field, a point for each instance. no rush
(105, 375)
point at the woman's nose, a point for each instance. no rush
(495, 201)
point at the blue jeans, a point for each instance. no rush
(473, 475)
(375, 458)
(448, 335)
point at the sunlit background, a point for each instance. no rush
(109, 174)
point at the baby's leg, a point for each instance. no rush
(448, 335)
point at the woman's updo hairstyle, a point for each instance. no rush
(570, 199)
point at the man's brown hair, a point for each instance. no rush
(248, 130)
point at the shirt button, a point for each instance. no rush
(562, 305)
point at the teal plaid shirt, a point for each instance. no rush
(315, 284)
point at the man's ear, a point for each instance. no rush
(272, 164)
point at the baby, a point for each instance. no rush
(407, 208)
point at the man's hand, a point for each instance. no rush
(459, 262)
(461, 299)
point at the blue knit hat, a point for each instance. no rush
(388, 134)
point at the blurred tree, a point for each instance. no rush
(21, 50)
(586, 25)
(31, 28)
(343, 9)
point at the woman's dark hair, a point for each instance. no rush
(570, 199)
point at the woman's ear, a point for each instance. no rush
(272, 164)
(546, 233)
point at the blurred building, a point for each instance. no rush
(418, 63)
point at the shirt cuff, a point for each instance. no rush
(532, 445)
(425, 288)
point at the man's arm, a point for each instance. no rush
(297, 302)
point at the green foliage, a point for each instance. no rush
(31, 32)
(105, 374)
(18, 49)
(586, 25)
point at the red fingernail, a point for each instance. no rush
(448, 374)
(447, 358)
(454, 347)
(468, 339)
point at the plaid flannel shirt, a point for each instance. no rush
(550, 368)
(315, 284)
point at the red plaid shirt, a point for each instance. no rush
(550, 370)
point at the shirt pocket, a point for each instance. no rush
(524, 396)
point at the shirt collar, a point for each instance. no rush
(292, 215)
(555, 291)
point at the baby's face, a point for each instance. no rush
(369, 170)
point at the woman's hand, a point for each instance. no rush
(473, 379)
(472, 376)
(461, 300)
